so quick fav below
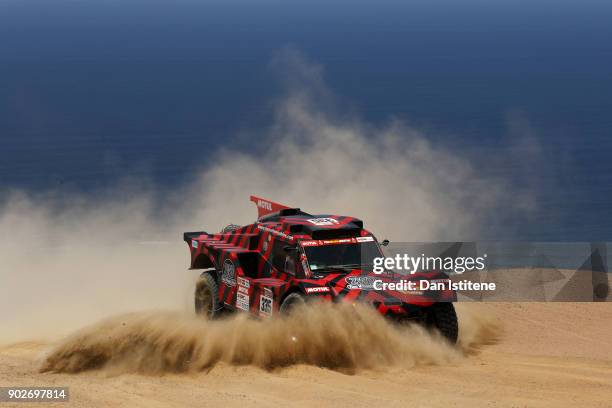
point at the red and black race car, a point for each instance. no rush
(288, 257)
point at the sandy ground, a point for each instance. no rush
(550, 355)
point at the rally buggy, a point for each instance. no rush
(288, 257)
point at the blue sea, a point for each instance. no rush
(92, 90)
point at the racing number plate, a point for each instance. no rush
(265, 305)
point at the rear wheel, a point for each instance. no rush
(442, 316)
(207, 296)
(291, 302)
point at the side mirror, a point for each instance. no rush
(385, 242)
(289, 248)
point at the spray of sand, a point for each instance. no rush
(337, 336)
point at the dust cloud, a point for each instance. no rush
(338, 336)
(68, 260)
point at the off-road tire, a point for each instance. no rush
(207, 296)
(442, 316)
(292, 301)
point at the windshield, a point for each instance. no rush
(342, 256)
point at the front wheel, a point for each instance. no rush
(442, 316)
(291, 302)
(207, 296)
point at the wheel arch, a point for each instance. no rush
(292, 289)
(203, 261)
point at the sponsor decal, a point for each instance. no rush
(338, 241)
(320, 242)
(320, 289)
(229, 273)
(266, 205)
(265, 305)
(323, 221)
(242, 289)
(365, 239)
(194, 244)
(244, 282)
(359, 282)
(242, 301)
(275, 232)
(268, 292)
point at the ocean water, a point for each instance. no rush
(93, 90)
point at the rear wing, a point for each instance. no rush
(266, 207)
(188, 236)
